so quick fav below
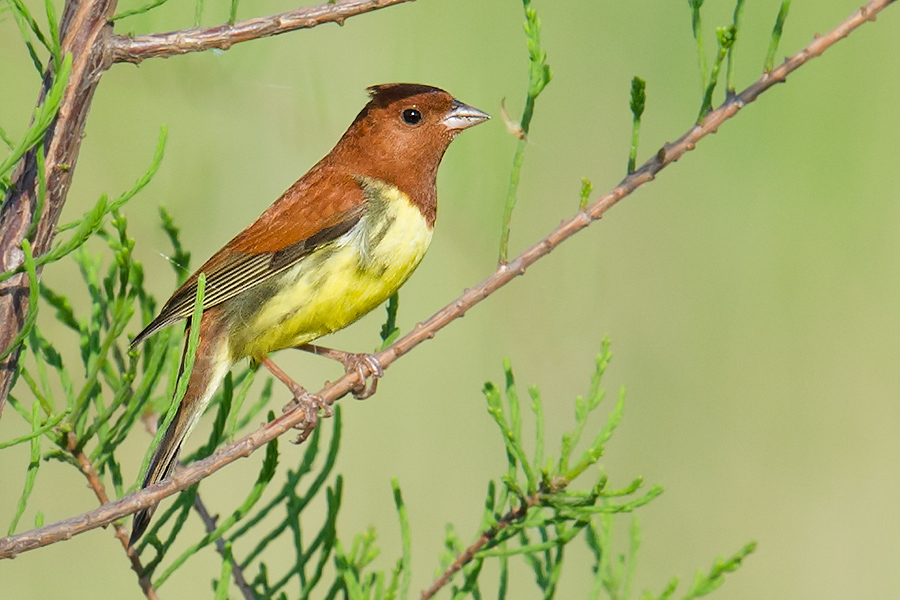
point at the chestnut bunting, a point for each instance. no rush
(335, 245)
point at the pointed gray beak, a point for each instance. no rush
(462, 116)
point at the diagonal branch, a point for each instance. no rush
(162, 45)
(29, 540)
(466, 556)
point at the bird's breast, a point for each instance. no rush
(337, 283)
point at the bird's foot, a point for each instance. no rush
(365, 365)
(369, 370)
(311, 403)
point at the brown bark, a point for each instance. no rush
(163, 45)
(83, 30)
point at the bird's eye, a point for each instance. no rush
(411, 116)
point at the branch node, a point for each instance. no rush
(661, 155)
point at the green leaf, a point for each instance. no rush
(389, 330)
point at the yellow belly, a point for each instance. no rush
(335, 285)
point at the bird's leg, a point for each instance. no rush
(312, 403)
(366, 365)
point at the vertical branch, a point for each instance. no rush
(83, 34)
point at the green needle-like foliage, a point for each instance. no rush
(267, 472)
(83, 404)
(585, 195)
(532, 511)
(28, 26)
(33, 464)
(224, 582)
(43, 117)
(535, 512)
(181, 257)
(725, 37)
(88, 412)
(638, 101)
(539, 75)
(736, 23)
(697, 30)
(389, 330)
(776, 36)
(140, 10)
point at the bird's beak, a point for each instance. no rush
(462, 116)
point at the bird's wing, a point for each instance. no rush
(312, 213)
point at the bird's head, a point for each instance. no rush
(408, 126)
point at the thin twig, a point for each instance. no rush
(87, 468)
(162, 45)
(30, 540)
(237, 572)
(466, 556)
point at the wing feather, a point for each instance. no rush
(331, 205)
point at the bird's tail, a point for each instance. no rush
(211, 364)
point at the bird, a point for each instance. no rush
(338, 243)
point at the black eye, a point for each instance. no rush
(411, 116)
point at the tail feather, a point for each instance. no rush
(211, 364)
(162, 465)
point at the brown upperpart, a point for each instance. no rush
(377, 144)
(381, 143)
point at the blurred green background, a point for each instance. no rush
(751, 292)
